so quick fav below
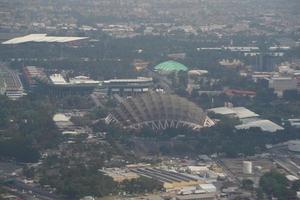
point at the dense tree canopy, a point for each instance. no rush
(26, 126)
(275, 184)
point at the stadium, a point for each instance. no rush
(158, 111)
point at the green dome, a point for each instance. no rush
(170, 65)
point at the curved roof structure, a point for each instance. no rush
(170, 66)
(158, 111)
(59, 117)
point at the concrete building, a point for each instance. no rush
(62, 121)
(208, 196)
(57, 79)
(294, 146)
(58, 85)
(281, 84)
(247, 167)
(31, 73)
(120, 175)
(248, 118)
(264, 125)
(197, 169)
(294, 122)
(125, 87)
(10, 84)
(169, 179)
(238, 112)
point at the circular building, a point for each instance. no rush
(170, 66)
(158, 111)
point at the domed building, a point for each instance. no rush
(169, 67)
(158, 111)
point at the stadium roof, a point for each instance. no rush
(158, 111)
(170, 66)
(42, 38)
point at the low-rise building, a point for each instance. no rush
(238, 112)
(294, 122)
(128, 86)
(119, 175)
(248, 118)
(31, 73)
(281, 84)
(207, 196)
(10, 84)
(264, 125)
(170, 180)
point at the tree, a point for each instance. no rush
(141, 185)
(275, 184)
(247, 184)
(296, 185)
(291, 95)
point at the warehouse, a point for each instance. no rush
(170, 180)
(264, 125)
(238, 112)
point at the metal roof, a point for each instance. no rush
(242, 112)
(170, 66)
(42, 38)
(158, 111)
(239, 112)
(264, 125)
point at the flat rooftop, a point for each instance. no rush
(239, 112)
(264, 125)
(163, 175)
(137, 80)
(42, 38)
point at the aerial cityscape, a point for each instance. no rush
(149, 100)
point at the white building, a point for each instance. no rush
(238, 112)
(264, 125)
(62, 121)
(281, 84)
(247, 167)
(58, 79)
(82, 80)
(248, 118)
(294, 122)
(294, 145)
